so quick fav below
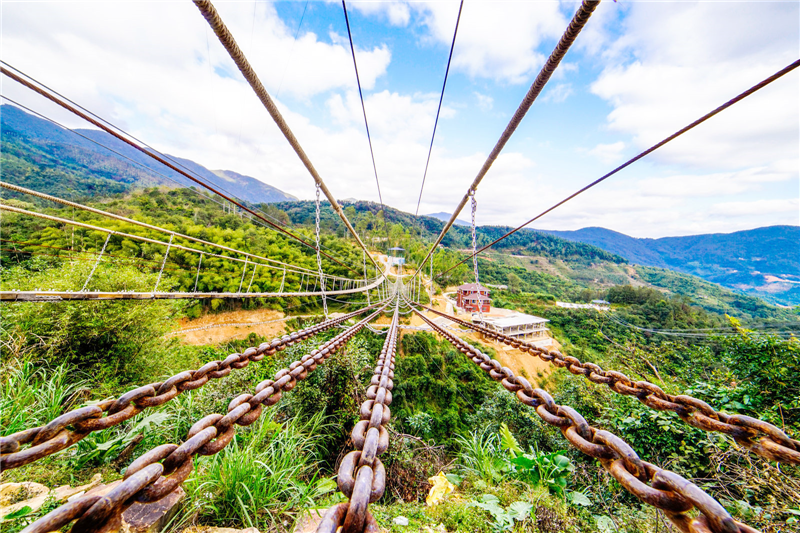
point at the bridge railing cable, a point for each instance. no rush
(761, 438)
(292, 268)
(225, 37)
(629, 162)
(580, 19)
(654, 486)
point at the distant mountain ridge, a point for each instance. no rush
(50, 159)
(444, 217)
(764, 261)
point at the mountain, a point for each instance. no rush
(45, 157)
(764, 261)
(444, 217)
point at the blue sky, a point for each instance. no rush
(637, 73)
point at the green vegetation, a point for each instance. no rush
(511, 471)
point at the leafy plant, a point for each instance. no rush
(101, 447)
(551, 470)
(504, 518)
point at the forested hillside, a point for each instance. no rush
(509, 469)
(764, 262)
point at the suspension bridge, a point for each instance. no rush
(361, 474)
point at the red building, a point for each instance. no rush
(473, 298)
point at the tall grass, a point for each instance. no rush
(480, 454)
(262, 479)
(32, 395)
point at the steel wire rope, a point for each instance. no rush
(577, 23)
(361, 97)
(17, 295)
(691, 333)
(155, 155)
(439, 109)
(653, 148)
(110, 124)
(121, 218)
(227, 40)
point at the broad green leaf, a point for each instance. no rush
(579, 498)
(19, 513)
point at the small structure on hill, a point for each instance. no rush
(473, 298)
(517, 325)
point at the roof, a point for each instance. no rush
(517, 319)
(396, 248)
(472, 287)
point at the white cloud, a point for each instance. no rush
(660, 77)
(608, 153)
(485, 102)
(558, 93)
(398, 13)
(789, 206)
(492, 44)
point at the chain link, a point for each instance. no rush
(161, 470)
(71, 427)
(761, 438)
(319, 259)
(362, 476)
(655, 486)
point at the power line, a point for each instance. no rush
(439, 109)
(152, 153)
(653, 148)
(225, 37)
(570, 34)
(361, 96)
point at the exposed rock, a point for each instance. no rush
(309, 521)
(400, 520)
(35, 494)
(146, 517)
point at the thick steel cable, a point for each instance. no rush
(166, 156)
(225, 37)
(361, 96)
(570, 34)
(654, 486)
(361, 475)
(439, 109)
(653, 148)
(43, 196)
(164, 468)
(72, 109)
(75, 425)
(762, 438)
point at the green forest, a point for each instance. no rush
(510, 471)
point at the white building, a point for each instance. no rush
(569, 305)
(517, 325)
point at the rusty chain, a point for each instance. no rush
(73, 426)
(762, 438)
(164, 468)
(362, 476)
(655, 486)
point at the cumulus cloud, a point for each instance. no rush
(492, 44)
(558, 93)
(608, 153)
(660, 77)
